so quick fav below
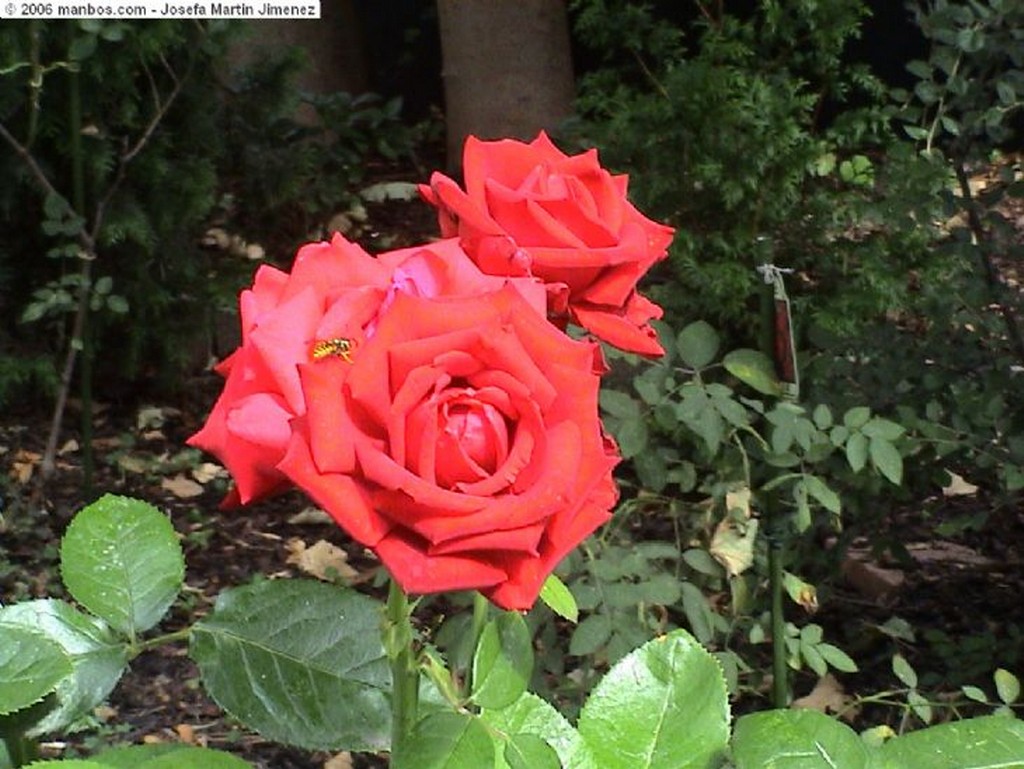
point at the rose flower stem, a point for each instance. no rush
(481, 609)
(398, 638)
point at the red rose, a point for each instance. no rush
(462, 443)
(532, 209)
(325, 308)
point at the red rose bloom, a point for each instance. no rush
(532, 209)
(327, 307)
(461, 443)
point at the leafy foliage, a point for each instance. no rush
(722, 123)
(172, 142)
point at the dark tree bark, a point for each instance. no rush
(507, 68)
(333, 45)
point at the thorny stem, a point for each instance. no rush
(480, 611)
(780, 672)
(20, 749)
(941, 106)
(398, 643)
(78, 204)
(161, 640)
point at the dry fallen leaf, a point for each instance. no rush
(207, 471)
(186, 733)
(150, 418)
(323, 560)
(340, 761)
(828, 696)
(872, 581)
(958, 486)
(310, 515)
(732, 545)
(24, 465)
(104, 712)
(181, 487)
(803, 593)
(69, 446)
(103, 444)
(738, 500)
(133, 463)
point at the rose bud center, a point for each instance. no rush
(472, 440)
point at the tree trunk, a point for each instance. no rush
(507, 69)
(333, 45)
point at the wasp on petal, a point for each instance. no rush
(338, 347)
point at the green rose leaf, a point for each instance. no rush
(856, 417)
(168, 757)
(886, 459)
(755, 369)
(796, 739)
(557, 597)
(299, 661)
(31, 666)
(632, 436)
(195, 758)
(446, 740)
(876, 427)
(903, 671)
(697, 344)
(590, 635)
(503, 661)
(67, 763)
(97, 657)
(136, 756)
(825, 496)
(990, 742)
(857, 451)
(528, 751)
(619, 404)
(837, 658)
(120, 559)
(664, 705)
(532, 715)
(1007, 686)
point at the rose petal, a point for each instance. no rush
(461, 207)
(610, 325)
(438, 521)
(265, 295)
(283, 340)
(417, 572)
(526, 221)
(346, 501)
(330, 428)
(261, 418)
(505, 161)
(334, 267)
(526, 575)
(525, 540)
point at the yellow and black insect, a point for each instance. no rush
(338, 347)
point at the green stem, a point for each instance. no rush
(780, 671)
(163, 640)
(481, 609)
(21, 750)
(78, 203)
(776, 534)
(404, 670)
